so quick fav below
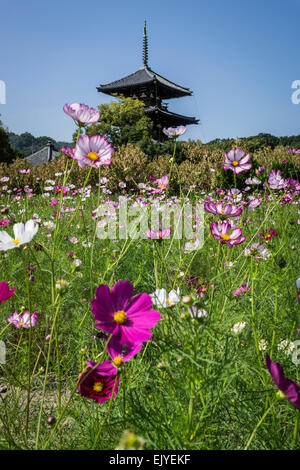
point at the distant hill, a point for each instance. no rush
(28, 144)
(255, 142)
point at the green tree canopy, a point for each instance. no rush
(124, 121)
(7, 153)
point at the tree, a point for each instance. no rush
(124, 121)
(7, 153)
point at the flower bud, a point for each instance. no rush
(51, 420)
(62, 286)
(187, 300)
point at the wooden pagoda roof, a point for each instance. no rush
(145, 77)
(168, 118)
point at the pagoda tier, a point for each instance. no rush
(161, 118)
(145, 85)
(167, 118)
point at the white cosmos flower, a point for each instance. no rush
(238, 327)
(23, 233)
(162, 299)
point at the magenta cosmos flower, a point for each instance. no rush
(225, 233)
(82, 113)
(174, 131)
(228, 210)
(241, 290)
(5, 292)
(23, 321)
(98, 384)
(118, 354)
(129, 320)
(289, 388)
(93, 151)
(235, 161)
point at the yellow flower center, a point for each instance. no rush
(120, 317)
(22, 323)
(235, 163)
(93, 156)
(169, 302)
(225, 236)
(162, 186)
(118, 361)
(16, 241)
(233, 196)
(98, 386)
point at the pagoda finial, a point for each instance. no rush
(145, 45)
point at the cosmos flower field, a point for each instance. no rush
(151, 342)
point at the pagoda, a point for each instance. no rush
(151, 88)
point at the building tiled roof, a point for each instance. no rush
(44, 155)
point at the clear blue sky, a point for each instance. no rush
(239, 57)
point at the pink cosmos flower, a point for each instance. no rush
(5, 292)
(162, 184)
(82, 113)
(258, 251)
(158, 234)
(221, 231)
(235, 161)
(254, 203)
(23, 321)
(118, 356)
(241, 290)
(93, 151)
(276, 181)
(128, 319)
(228, 210)
(288, 387)
(293, 184)
(234, 195)
(69, 151)
(174, 131)
(98, 384)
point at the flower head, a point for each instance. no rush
(241, 290)
(276, 181)
(23, 233)
(238, 327)
(129, 319)
(26, 320)
(82, 113)
(227, 210)
(5, 292)
(267, 235)
(235, 161)
(257, 251)
(93, 151)
(225, 233)
(117, 353)
(288, 387)
(158, 234)
(98, 382)
(174, 131)
(162, 299)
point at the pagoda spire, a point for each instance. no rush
(145, 46)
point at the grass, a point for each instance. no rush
(196, 384)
